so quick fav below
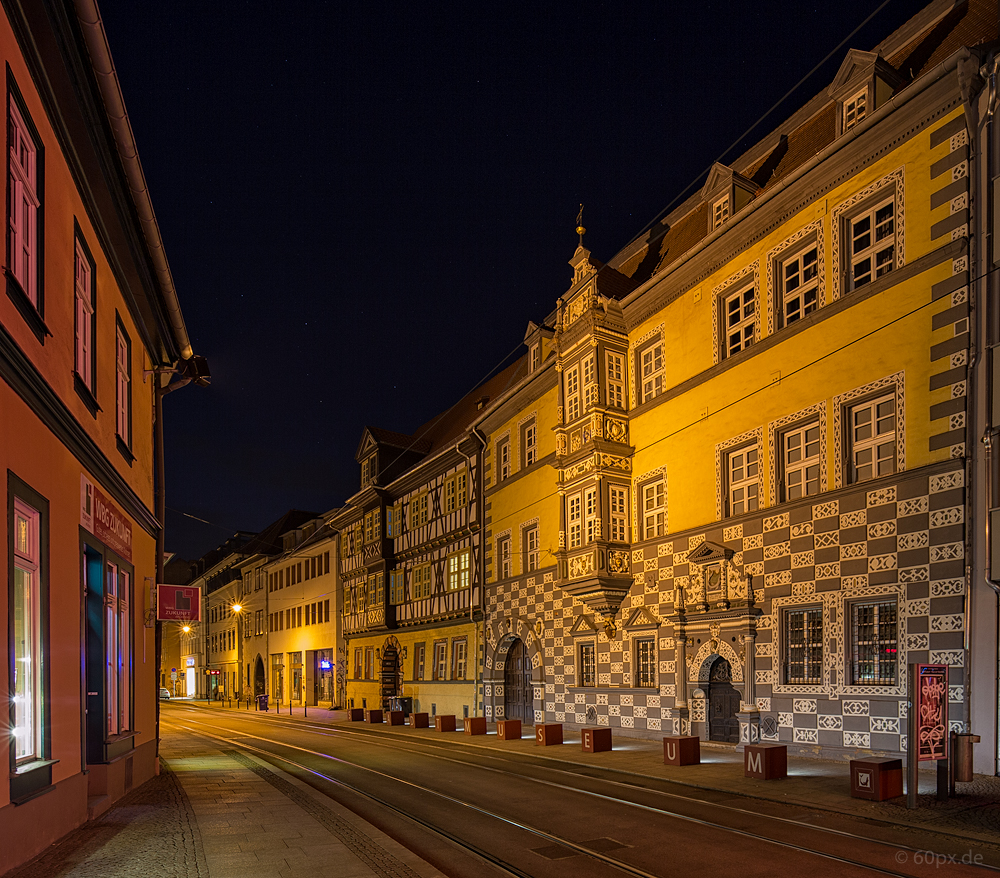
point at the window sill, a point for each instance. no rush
(86, 394)
(27, 308)
(31, 780)
(124, 450)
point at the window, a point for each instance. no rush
(592, 516)
(589, 381)
(651, 371)
(873, 244)
(440, 670)
(618, 504)
(326, 610)
(123, 396)
(645, 663)
(588, 665)
(397, 589)
(376, 589)
(27, 708)
(531, 549)
(616, 380)
(739, 312)
(742, 470)
(720, 211)
(369, 663)
(503, 460)
(418, 661)
(572, 394)
(422, 581)
(418, 510)
(799, 285)
(456, 493)
(800, 461)
(536, 356)
(458, 663)
(117, 649)
(373, 525)
(368, 470)
(358, 664)
(503, 557)
(258, 622)
(529, 440)
(873, 629)
(24, 167)
(83, 288)
(654, 509)
(574, 520)
(854, 109)
(872, 451)
(804, 645)
(458, 570)
(392, 522)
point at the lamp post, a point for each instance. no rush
(238, 612)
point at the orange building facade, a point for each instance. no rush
(89, 321)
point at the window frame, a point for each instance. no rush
(645, 667)
(615, 371)
(459, 658)
(123, 389)
(459, 570)
(25, 281)
(419, 660)
(529, 538)
(397, 588)
(653, 517)
(85, 322)
(803, 465)
(503, 459)
(583, 680)
(721, 211)
(574, 393)
(728, 347)
(805, 285)
(574, 520)
(851, 445)
(851, 613)
(811, 646)
(417, 513)
(504, 560)
(618, 505)
(529, 443)
(650, 377)
(854, 110)
(439, 667)
(869, 209)
(752, 503)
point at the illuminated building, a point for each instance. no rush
(91, 335)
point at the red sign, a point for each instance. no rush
(178, 603)
(931, 705)
(105, 520)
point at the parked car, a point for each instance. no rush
(164, 694)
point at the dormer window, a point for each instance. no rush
(368, 470)
(854, 109)
(864, 83)
(720, 211)
(536, 356)
(726, 193)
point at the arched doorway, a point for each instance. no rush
(259, 680)
(391, 673)
(723, 703)
(517, 688)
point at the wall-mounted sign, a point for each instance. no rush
(325, 665)
(189, 662)
(178, 603)
(931, 704)
(104, 520)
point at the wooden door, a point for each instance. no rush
(723, 704)
(518, 691)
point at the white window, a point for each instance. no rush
(874, 643)
(800, 461)
(651, 371)
(458, 571)
(441, 660)
(592, 515)
(84, 294)
(531, 549)
(799, 285)
(503, 557)
(529, 436)
(536, 356)
(418, 510)
(854, 109)
(616, 381)
(739, 312)
(422, 581)
(720, 211)
(654, 509)
(503, 460)
(618, 505)
(804, 645)
(26, 709)
(458, 653)
(574, 519)
(872, 450)
(124, 386)
(24, 204)
(645, 662)
(368, 470)
(572, 394)
(742, 468)
(873, 244)
(589, 380)
(118, 649)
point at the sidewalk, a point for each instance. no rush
(222, 814)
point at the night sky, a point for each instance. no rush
(364, 205)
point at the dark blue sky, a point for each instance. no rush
(363, 207)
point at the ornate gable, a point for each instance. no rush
(641, 620)
(708, 553)
(584, 625)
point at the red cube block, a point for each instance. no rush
(356, 714)
(373, 716)
(396, 717)
(419, 721)
(765, 761)
(681, 750)
(475, 725)
(509, 729)
(547, 734)
(594, 740)
(444, 722)
(876, 778)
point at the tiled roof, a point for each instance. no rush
(399, 440)
(268, 541)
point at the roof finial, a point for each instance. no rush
(580, 230)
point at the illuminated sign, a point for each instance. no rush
(325, 665)
(104, 520)
(189, 662)
(211, 673)
(178, 603)
(931, 705)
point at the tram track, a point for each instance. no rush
(237, 739)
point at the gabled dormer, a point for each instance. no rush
(864, 83)
(367, 456)
(538, 341)
(384, 454)
(726, 193)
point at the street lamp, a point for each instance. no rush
(238, 612)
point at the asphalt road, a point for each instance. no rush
(472, 812)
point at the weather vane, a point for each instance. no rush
(580, 230)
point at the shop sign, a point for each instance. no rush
(104, 520)
(189, 662)
(178, 603)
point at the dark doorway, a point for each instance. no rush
(723, 703)
(258, 677)
(517, 688)
(391, 675)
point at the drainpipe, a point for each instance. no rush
(481, 500)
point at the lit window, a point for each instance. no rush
(618, 504)
(873, 627)
(588, 665)
(872, 450)
(645, 663)
(117, 644)
(27, 708)
(799, 285)
(873, 244)
(654, 510)
(804, 646)
(854, 109)
(739, 313)
(24, 204)
(743, 472)
(458, 571)
(800, 461)
(616, 381)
